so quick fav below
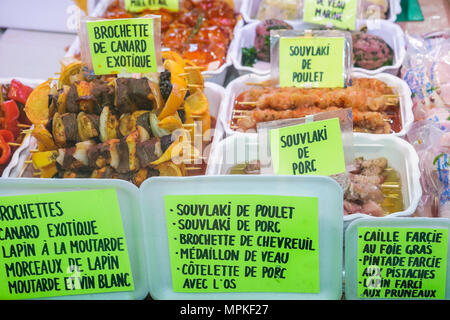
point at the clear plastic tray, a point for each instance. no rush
(218, 76)
(240, 85)
(250, 8)
(388, 31)
(401, 156)
(213, 92)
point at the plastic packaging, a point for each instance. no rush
(275, 38)
(390, 32)
(432, 143)
(426, 69)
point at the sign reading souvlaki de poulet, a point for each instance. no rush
(115, 46)
(311, 58)
(62, 244)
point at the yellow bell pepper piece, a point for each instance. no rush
(48, 171)
(44, 159)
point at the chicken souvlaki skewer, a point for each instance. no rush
(361, 99)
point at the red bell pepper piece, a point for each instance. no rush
(5, 150)
(10, 117)
(19, 92)
(10, 110)
(7, 135)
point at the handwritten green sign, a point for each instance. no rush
(314, 148)
(243, 243)
(402, 263)
(122, 45)
(61, 244)
(312, 62)
(339, 14)
(141, 5)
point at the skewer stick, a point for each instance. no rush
(195, 86)
(22, 125)
(26, 131)
(194, 68)
(242, 111)
(250, 103)
(241, 117)
(34, 150)
(13, 144)
(28, 161)
(36, 173)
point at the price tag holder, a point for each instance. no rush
(120, 46)
(141, 5)
(312, 62)
(339, 14)
(313, 148)
(397, 258)
(310, 58)
(68, 239)
(232, 237)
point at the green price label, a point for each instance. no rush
(61, 244)
(141, 5)
(312, 62)
(314, 148)
(122, 46)
(339, 14)
(243, 243)
(402, 263)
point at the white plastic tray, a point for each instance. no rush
(351, 249)
(329, 196)
(213, 92)
(218, 76)
(239, 85)
(401, 156)
(388, 31)
(19, 153)
(128, 197)
(250, 9)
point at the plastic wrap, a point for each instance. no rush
(426, 69)
(345, 120)
(431, 141)
(276, 35)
